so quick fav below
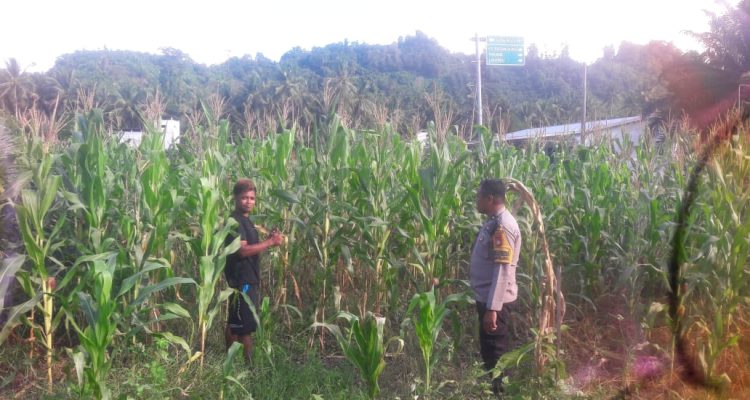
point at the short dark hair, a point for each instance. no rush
(494, 187)
(243, 185)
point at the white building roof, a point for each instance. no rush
(546, 132)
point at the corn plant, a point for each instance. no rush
(12, 316)
(371, 219)
(226, 372)
(99, 331)
(328, 228)
(104, 311)
(86, 163)
(210, 252)
(265, 329)
(157, 198)
(428, 324)
(551, 301)
(362, 344)
(716, 273)
(281, 206)
(127, 221)
(375, 159)
(35, 216)
(149, 199)
(432, 193)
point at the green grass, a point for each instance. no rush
(150, 372)
(152, 369)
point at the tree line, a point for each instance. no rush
(407, 84)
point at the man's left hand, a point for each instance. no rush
(490, 321)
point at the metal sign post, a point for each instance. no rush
(501, 50)
(478, 96)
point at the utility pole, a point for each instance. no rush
(583, 114)
(500, 50)
(744, 81)
(478, 102)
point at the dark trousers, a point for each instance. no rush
(495, 344)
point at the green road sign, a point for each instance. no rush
(505, 50)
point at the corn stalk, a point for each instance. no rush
(104, 310)
(428, 324)
(715, 275)
(34, 215)
(363, 345)
(210, 251)
(552, 301)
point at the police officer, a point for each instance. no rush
(493, 273)
(242, 269)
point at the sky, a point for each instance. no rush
(36, 32)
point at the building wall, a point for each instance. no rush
(170, 127)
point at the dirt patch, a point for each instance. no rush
(608, 348)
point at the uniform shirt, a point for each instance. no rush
(240, 270)
(494, 280)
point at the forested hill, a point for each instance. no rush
(408, 84)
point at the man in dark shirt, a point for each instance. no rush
(242, 269)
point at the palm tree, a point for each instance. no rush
(48, 93)
(15, 87)
(125, 110)
(68, 84)
(288, 97)
(290, 86)
(344, 90)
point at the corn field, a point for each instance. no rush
(122, 247)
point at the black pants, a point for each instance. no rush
(241, 320)
(495, 344)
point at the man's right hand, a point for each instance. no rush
(489, 321)
(276, 238)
